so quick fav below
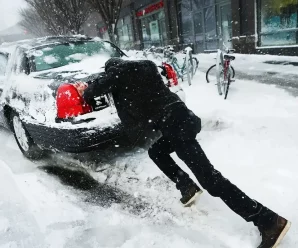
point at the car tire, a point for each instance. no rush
(25, 142)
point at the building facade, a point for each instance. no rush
(203, 24)
(265, 26)
(145, 23)
(248, 26)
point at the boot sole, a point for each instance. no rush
(282, 234)
(192, 200)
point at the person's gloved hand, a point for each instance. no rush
(81, 87)
(88, 95)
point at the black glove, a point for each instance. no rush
(88, 94)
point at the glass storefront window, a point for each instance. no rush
(186, 17)
(198, 23)
(210, 28)
(210, 22)
(163, 30)
(124, 28)
(197, 5)
(153, 30)
(226, 26)
(279, 23)
(161, 15)
(208, 2)
(205, 22)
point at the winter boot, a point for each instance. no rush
(271, 237)
(189, 194)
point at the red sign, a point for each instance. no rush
(103, 30)
(150, 9)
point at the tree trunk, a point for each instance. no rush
(78, 30)
(112, 31)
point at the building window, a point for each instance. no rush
(210, 28)
(204, 23)
(197, 5)
(209, 2)
(186, 17)
(278, 22)
(153, 28)
(124, 31)
(198, 25)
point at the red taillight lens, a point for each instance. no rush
(70, 103)
(171, 74)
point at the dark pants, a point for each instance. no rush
(179, 131)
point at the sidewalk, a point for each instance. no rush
(281, 71)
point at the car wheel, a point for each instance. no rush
(23, 139)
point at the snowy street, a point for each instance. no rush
(124, 201)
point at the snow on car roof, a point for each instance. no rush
(37, 42)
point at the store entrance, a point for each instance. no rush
(153, 30)
(225, 29)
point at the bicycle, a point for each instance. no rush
(189, 66)
(154, 52)
(224, 72)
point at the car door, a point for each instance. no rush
(3, 67)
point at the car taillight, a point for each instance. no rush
(170, 74)
(70, 103)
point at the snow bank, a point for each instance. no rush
(18, 226)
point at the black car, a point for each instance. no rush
(33, 72)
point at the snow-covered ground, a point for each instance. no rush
(251, 138)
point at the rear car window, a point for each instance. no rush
(63, 54)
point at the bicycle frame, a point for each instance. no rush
(222, 69)
(184, 69)
(226, 68)
(177, 67)
(181, 69)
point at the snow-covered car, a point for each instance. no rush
(37, 77)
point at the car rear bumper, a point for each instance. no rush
(76, 140)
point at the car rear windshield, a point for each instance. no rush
(55, 56)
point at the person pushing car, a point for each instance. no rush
(141, 97)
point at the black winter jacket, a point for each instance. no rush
(140, 95)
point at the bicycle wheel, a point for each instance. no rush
(212, 77)
(232, 71)
(227, 86)
(192, 68)
(189, 71)
(195, 63)
(211, 74)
